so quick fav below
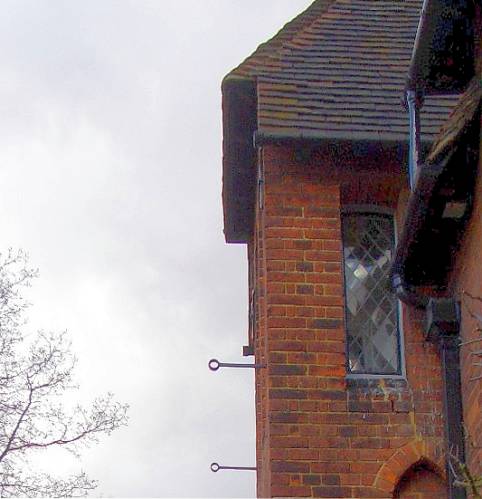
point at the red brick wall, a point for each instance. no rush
(319, 434)
(468, 278)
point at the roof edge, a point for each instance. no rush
(271, 47)
(239, 123)
(262, 137)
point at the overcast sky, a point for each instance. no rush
(110, 167)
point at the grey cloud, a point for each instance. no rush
(110, 158)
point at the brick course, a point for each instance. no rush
(467, 277)
(320, 434)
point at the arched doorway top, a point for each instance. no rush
(416, 452)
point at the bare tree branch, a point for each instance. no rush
(34, 376)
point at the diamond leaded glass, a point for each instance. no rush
(371, 310)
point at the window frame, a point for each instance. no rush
(369, 209)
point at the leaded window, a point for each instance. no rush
(373, 340)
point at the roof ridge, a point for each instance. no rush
(270, 49)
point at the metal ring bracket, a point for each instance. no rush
(215, 364)
(215, 467)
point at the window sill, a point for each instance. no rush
(378, 394)
(394, 381)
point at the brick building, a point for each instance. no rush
(353, 399)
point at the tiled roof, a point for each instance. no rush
(266, 50)
(338, 71)
(342, 72)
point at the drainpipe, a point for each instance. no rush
(452, 394)
(413, 153)
(443, 328)
(404, 292)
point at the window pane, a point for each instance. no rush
(371, 309)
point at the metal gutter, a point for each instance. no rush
(428, 55)
(417, 208)
(404, 292)
(421, 47)
(262, 137)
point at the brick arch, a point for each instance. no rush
(411, 454)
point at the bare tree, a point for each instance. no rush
(464, 477)
(35, 373)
